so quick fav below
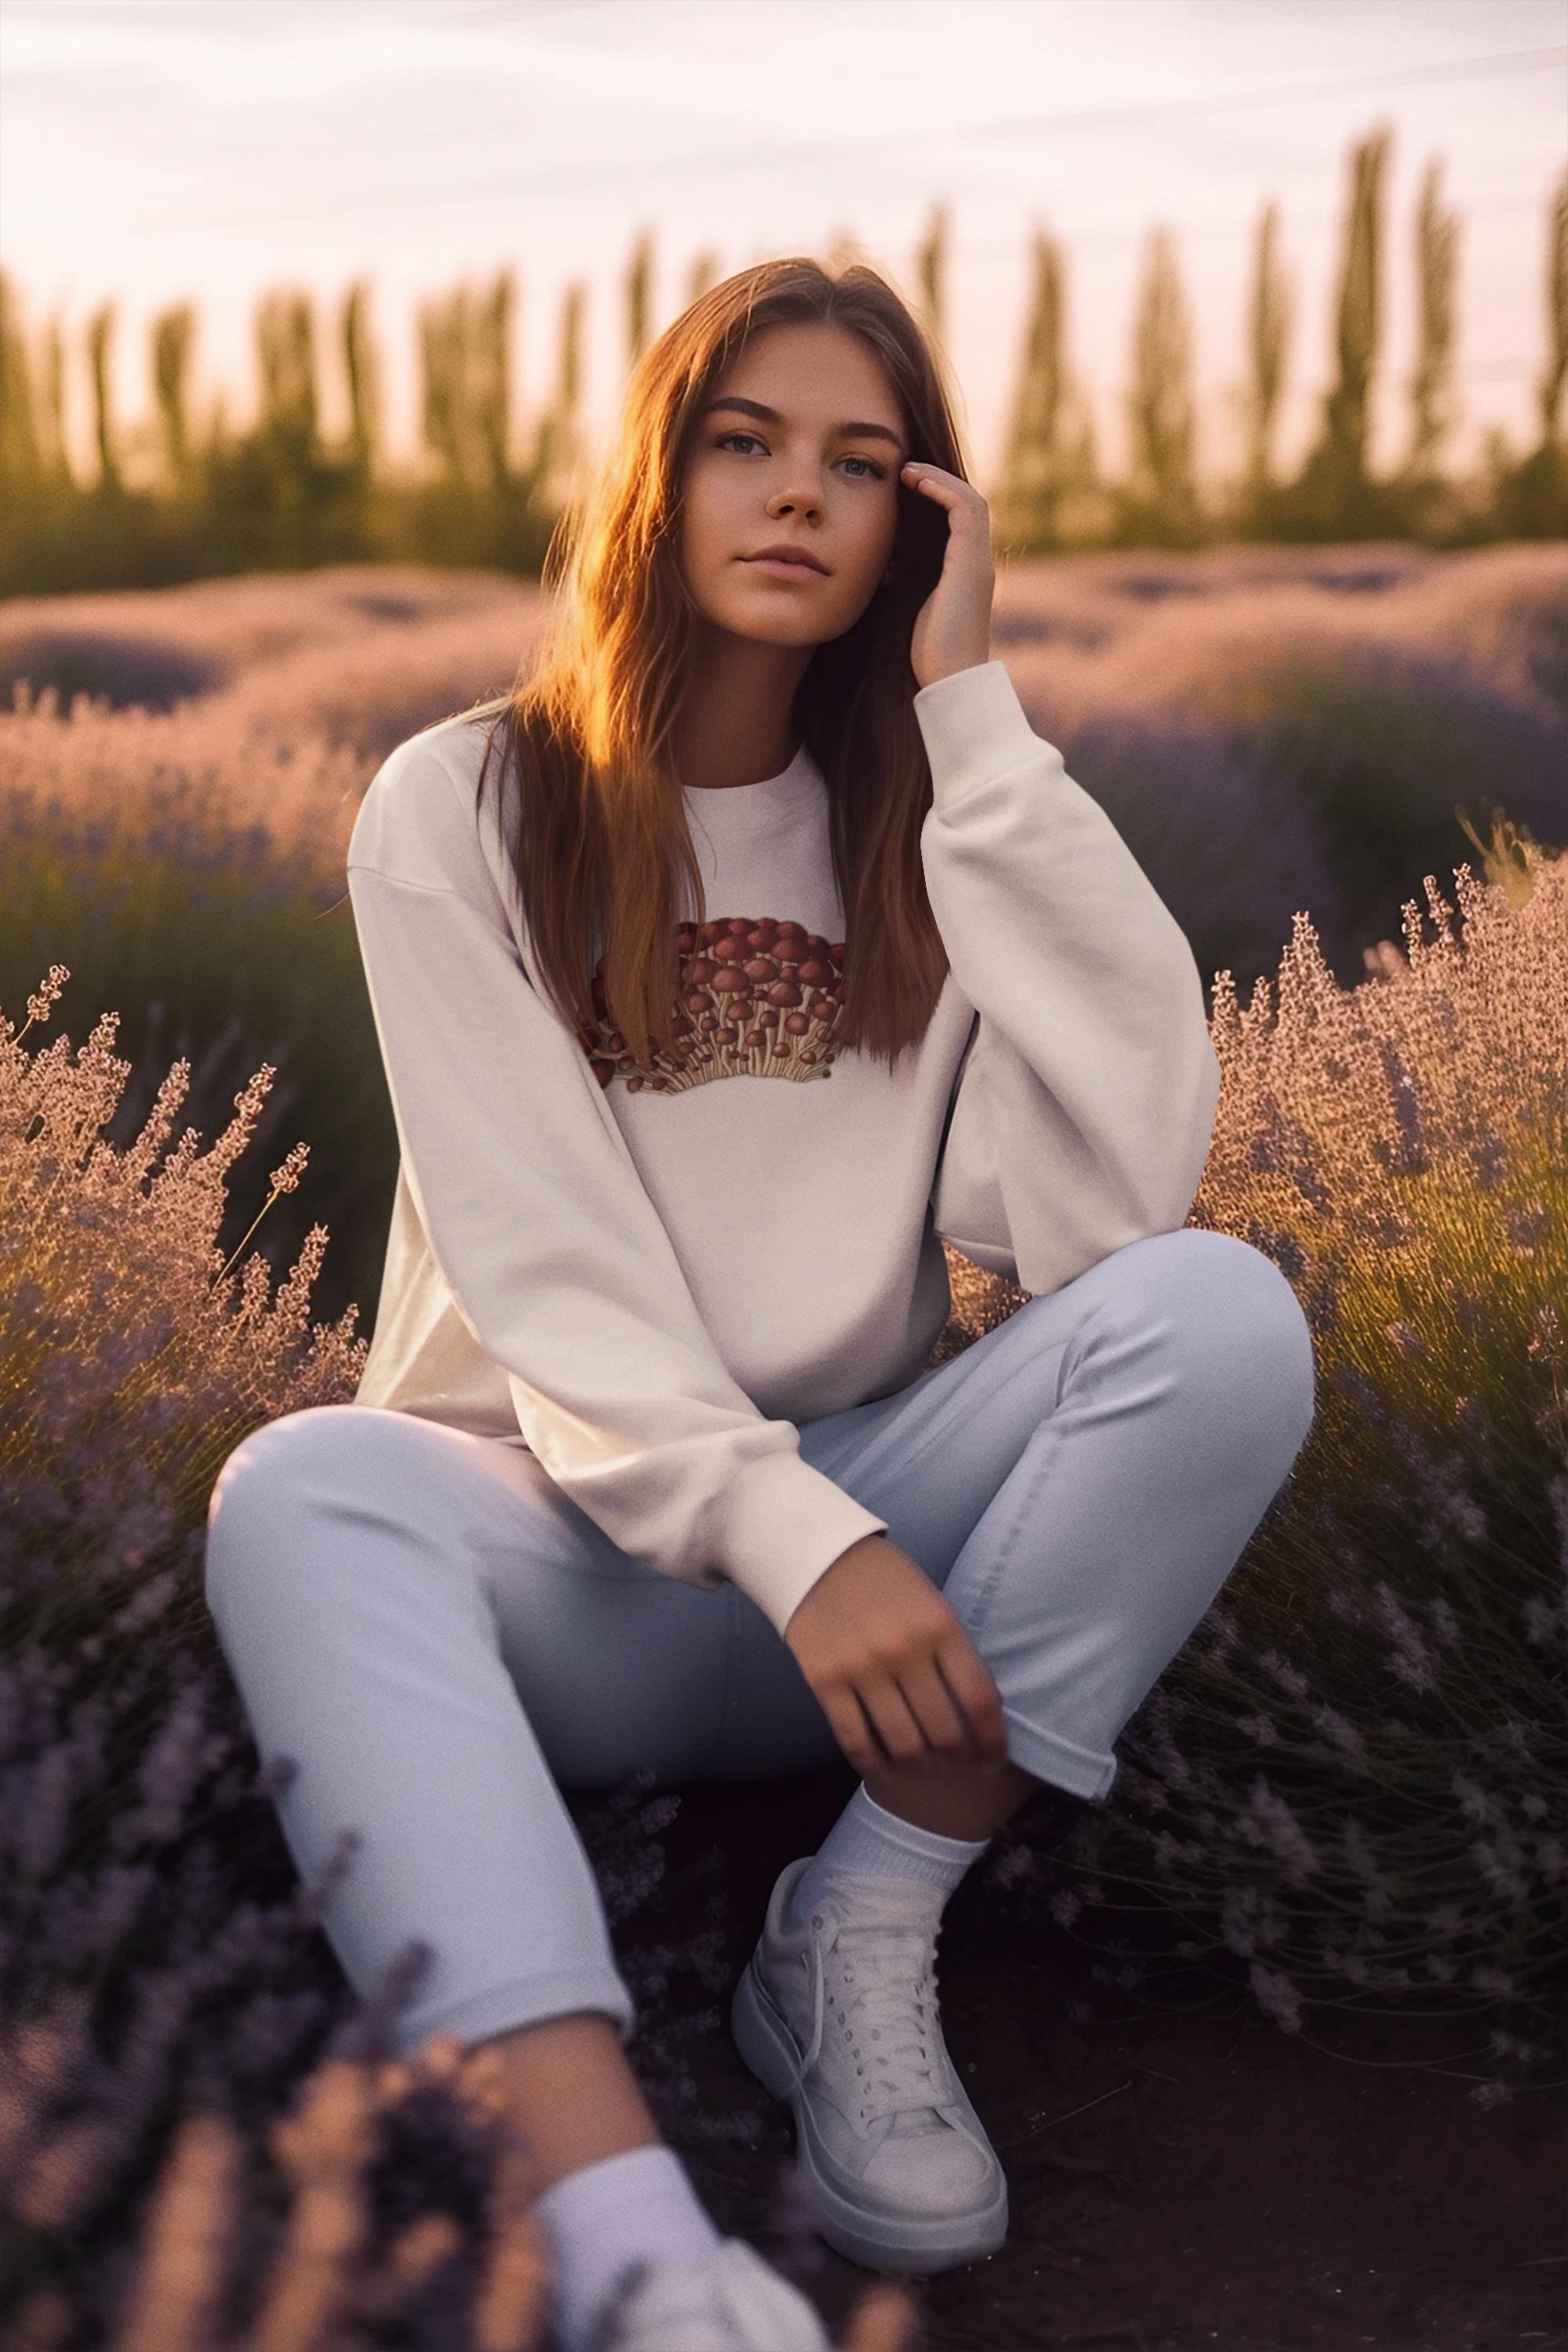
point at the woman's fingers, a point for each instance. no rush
(908, 1686)
(847, 1723)
(891, 1719)
(934, 1709)
(920, 1717)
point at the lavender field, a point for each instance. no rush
(1338, 1824)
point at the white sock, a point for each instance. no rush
(638, 2206)
(867, 1841)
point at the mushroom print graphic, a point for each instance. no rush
(760, 998)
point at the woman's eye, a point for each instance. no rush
(874, 471)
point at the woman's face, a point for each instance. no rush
(800, 444)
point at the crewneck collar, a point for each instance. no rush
(793, 787)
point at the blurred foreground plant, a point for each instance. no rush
(340, 2267)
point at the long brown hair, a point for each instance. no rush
(600, 830)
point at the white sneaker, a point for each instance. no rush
(840, 2020)
(732, 2303)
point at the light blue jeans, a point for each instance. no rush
(442, 1641)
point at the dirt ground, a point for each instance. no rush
(1181, 2176)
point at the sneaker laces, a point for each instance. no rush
(888, 2014)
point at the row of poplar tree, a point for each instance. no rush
(172, 498)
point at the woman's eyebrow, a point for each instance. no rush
(770, 417)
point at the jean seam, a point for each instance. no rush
(909, 1462)
(985, 1594)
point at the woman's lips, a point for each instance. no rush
(780, 570)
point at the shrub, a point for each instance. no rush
(200, 2130)
(1352, 1776)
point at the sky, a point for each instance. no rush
(158, 151)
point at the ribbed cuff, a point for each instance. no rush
(785, 1526)
(974, 728)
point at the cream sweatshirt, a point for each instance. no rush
(649, 1278)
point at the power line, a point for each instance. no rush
(1447, 70)
(761, 154)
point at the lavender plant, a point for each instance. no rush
(1271, 729)
(205, 2146)
(1353, 1777)
(1349, 1781)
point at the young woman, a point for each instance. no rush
(787, 950)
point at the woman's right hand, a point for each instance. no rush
(891, 1667)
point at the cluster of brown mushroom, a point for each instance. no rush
(758, 998)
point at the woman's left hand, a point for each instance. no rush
(952, 628)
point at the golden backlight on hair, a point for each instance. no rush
(586, 737)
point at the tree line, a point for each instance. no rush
(176, 496)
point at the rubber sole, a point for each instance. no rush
(878, 2241)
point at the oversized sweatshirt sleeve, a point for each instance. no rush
(1084, 1107)
(556, 1258)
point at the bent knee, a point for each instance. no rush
(1235, 1312)
(281, 1451)
(273, 1470)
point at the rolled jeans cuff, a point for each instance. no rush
(520, 2000)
